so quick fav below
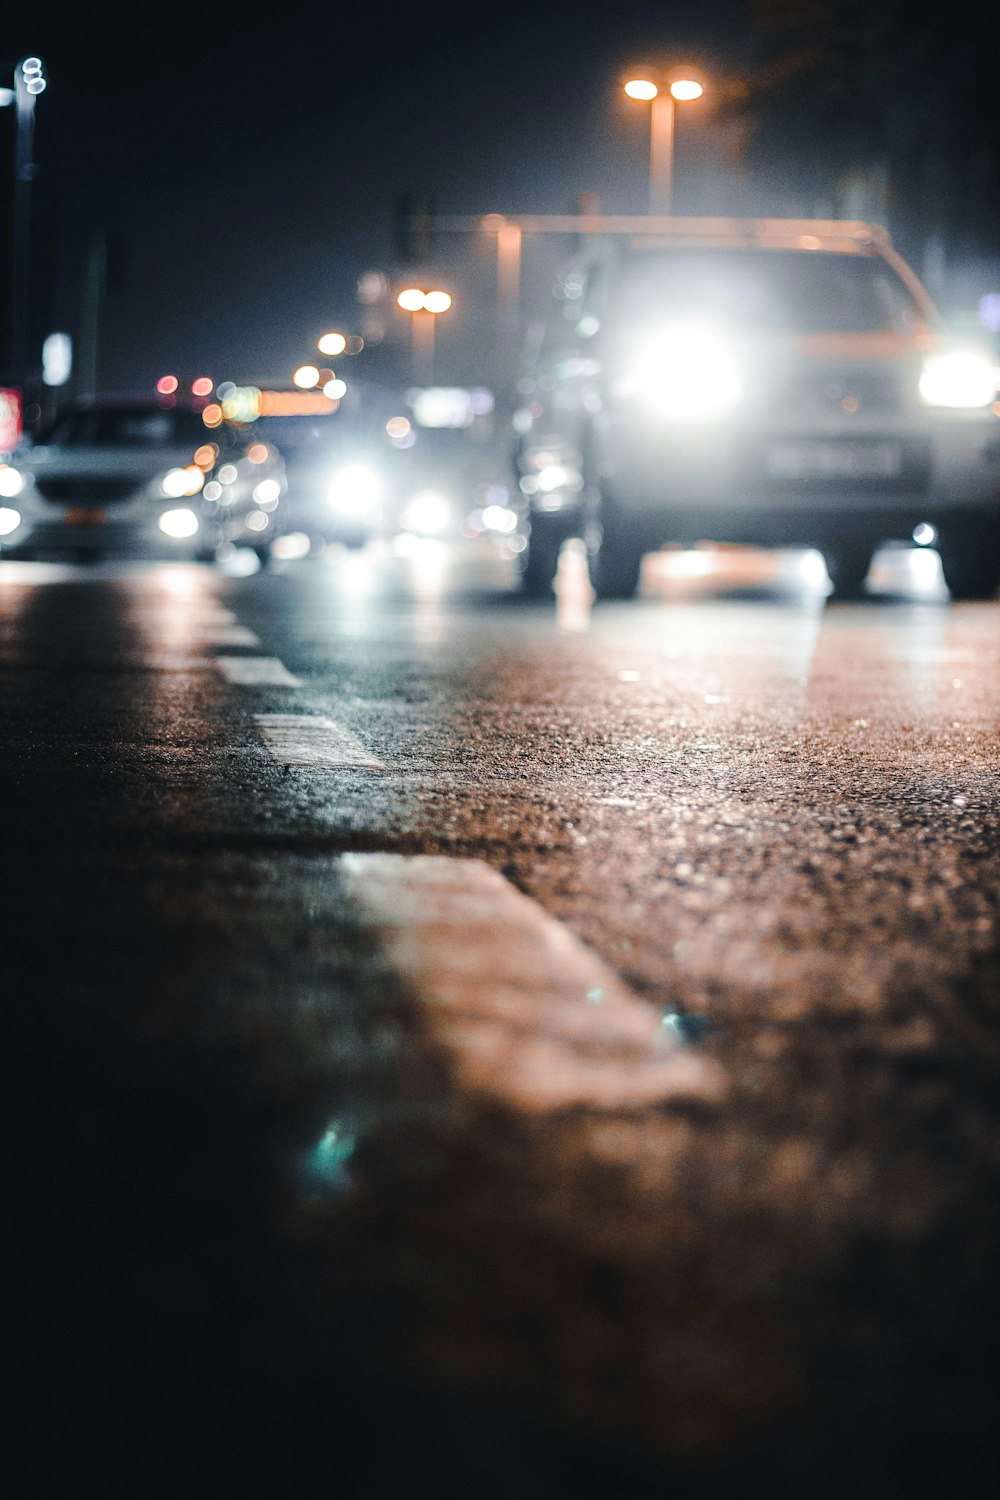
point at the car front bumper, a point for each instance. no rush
(95, 532)
(794, 485)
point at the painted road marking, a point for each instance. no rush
(228, 635)
(308, 740)
(256, 671)
(528, 1015)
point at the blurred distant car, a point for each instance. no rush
(762, 381)
(423, 464)
(140, 478)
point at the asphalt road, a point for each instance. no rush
(477, 1049)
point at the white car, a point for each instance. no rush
(140, 479)
(764, 381)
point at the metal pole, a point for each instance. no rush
(24, 172)
(661, 153)
(423, 346)
(509, 266)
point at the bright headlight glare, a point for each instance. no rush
(10, 520)
(687, 373)
(11, 481)
(355, 490)
(500, 518)
(428, 514)
(178, 482)
(960, 379)
(267, 493)
(178, 523)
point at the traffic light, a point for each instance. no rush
(412, 227)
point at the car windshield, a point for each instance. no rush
(761, 291)
(124, 428)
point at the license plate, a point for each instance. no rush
(835, 460)
(84, 515)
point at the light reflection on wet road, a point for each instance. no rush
(773, 821)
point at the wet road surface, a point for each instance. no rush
(497, 1049)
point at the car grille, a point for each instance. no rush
(872, 392)
(94, 490)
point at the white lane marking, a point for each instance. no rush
(256, 671)
(308, 740)
(228, 635)
(527, 1013)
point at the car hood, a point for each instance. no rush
(138, 464)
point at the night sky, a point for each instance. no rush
(250, 166)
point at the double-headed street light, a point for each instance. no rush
(424, 309)
(662, 93)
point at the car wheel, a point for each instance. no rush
(540, 558)
(848, 567)
(971, 565)
(614, 561)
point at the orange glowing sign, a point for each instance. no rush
(296, 404)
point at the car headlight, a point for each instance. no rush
(11, 481)
(186, 481)
(427, 514)
(267, 493)
(960, 379)
(355, 490)
(178, 523)
(10, 520)
(687, 373)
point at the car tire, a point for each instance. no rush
(614, 560)
(540, 557)
(848, 567)
(970, 564)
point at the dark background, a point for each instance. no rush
(223, 179)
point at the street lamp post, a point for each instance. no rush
(424, 309)
(662, 98)
(29, 82)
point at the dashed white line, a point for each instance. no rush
(526, 1013)
(256, 671)
(228, 635)
(311, 741)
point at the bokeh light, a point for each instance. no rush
(686, 88)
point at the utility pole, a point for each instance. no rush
(29, 82)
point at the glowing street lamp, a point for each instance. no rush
(306, 377)
(662, 97)
(424, 308)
